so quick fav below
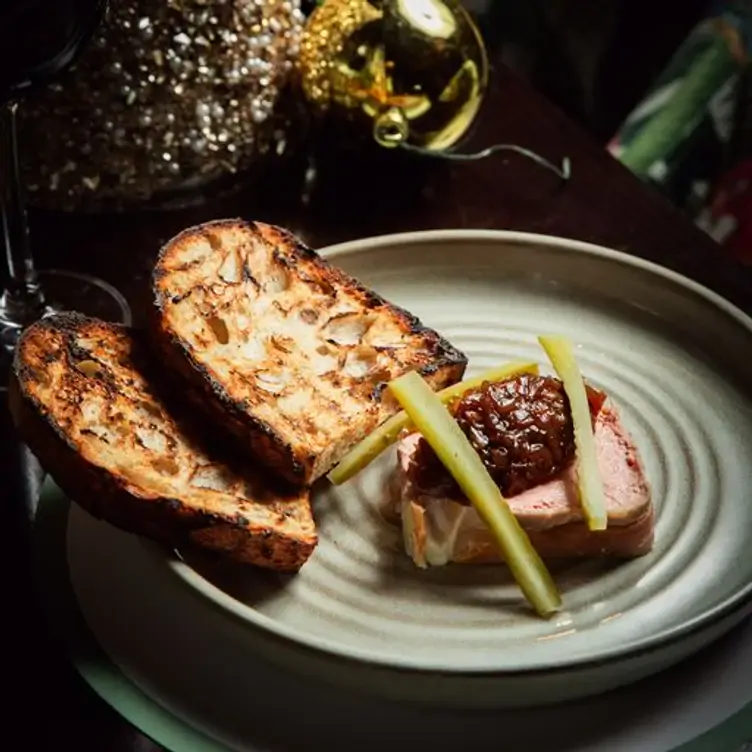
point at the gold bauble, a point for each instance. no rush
(416, 70)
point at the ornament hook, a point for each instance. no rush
(564, 172)
(390, 128)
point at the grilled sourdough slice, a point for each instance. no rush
(83, 399)
(290, 352)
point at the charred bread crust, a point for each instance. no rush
(112, 498)
(274, 448)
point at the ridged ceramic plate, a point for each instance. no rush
(675, 359)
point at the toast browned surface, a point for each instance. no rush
(282, 348)
(82, 398)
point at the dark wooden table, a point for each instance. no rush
(50, 707)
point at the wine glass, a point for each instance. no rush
(38, 40)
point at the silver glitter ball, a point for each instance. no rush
(169, 94)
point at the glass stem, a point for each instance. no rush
(22, 299)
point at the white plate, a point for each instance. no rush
(194, 679)
(675, 359)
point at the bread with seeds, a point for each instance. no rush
(84, 396)
(283, 349)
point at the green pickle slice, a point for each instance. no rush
(430, 416)
(590, 484)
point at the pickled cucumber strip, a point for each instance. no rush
(590, 484)
(442, 432)
(388, 432)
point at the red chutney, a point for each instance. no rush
(521, 428)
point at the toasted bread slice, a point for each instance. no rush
(282, 348)
(83, 398)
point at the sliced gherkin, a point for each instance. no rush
(434, 421)
(589, 482)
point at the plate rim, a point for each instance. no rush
(633, 649)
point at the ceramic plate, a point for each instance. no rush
(190, 676)
(675, 360)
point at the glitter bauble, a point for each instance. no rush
(170, 97)
(411, 71)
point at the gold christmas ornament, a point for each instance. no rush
(171, 96)
(415, 70)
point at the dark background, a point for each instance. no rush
(592, 58)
